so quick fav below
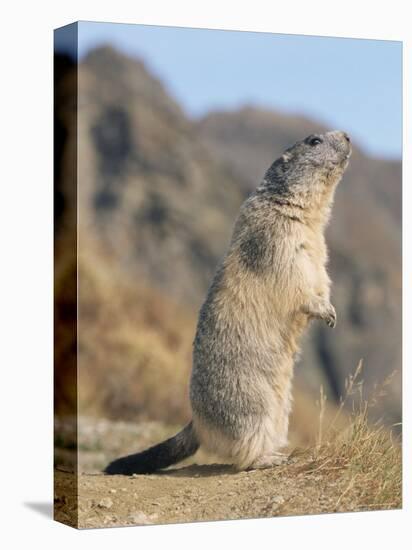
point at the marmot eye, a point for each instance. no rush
(314, 141)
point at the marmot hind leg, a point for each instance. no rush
(268, 461)
(257, 448)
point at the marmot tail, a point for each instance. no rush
(171, 451)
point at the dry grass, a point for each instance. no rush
(363, 461)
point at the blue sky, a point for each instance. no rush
(354, 85)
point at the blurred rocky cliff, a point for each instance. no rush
(158, 194)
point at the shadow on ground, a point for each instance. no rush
(196, 470)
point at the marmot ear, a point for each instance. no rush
(286, 157)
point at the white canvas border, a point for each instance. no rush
(26, 274)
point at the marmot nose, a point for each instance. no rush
(339, 135)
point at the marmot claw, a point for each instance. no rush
(330, 318)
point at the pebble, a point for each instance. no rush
(105, 503)
(142, 519)
(113, 491)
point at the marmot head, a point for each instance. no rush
(310, 169)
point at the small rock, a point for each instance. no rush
(142, 519)
(113, 491)
(107, 519)
(105, 503)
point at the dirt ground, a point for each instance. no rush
(201, 493)
(196, 492)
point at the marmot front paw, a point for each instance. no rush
(322, 310)
(330, 317)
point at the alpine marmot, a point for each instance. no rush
(270, 284)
